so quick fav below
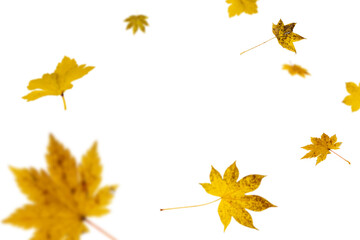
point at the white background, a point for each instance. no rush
(166, 105)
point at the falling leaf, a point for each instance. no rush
(135, 22)
(63, 198)
(353, 99)
(285, 35)
(321, 147)
(57, 82)
(232, 193)
(296, 69)
(239, 6)
(233, 201)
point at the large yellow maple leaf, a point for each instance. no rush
(234, 202)
(239, 6)
(62, 198)
(353, 99)
(57, 82)
(285, 35)
(321, 147)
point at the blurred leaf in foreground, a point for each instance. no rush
(63, 197)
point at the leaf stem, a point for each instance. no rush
(63, 98)
(340, 156)
(99, 229)
(163, 209)
(257, 45)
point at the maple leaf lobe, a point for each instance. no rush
(251, 182)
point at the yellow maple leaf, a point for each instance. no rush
(233, 201)
(285, 35)
(321, 147)
(239, 6)
(57, 82)
(62, 198)
(232, 194)
(353, 99)
(135, 22)
(296, 69)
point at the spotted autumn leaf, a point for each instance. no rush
(238, 7)
(285, 35)
(295, 69)
(57, 82)
(63, 197)
(135, 22)
(353, 99)
(233, 198)
(321, 147)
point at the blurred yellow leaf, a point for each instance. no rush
(63, 197)
(295, 69)
(285, 35)
(321, 147)
(135, 22)
(232, 194)
(353, 99)
(58, 82)
(239, 6)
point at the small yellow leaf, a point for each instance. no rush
(135, 22)
(239, 6)
(58, 82)
(295, 69)
(353, 99)
(63, 198)
(234, 202)
(321, 147)
(285, 35)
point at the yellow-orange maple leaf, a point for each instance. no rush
(232, 195)
(57, 82)
(239, 6)
(296, 69)
(285, 35)
(353, 99)
(135, 22)
(321, 147)
(63, 197)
